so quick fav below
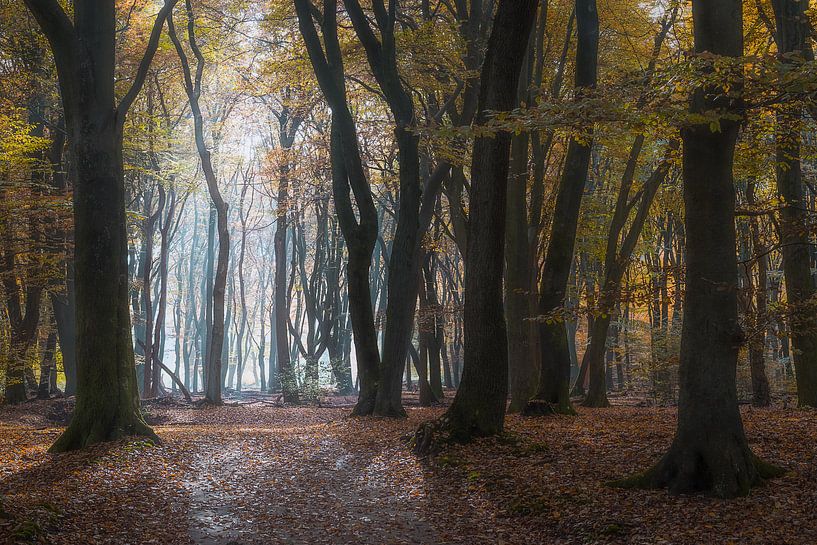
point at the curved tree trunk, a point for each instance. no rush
(348, 176)
(192, 86)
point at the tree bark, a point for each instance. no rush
(710, 452)
(478, 408)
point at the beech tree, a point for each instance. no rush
(710, 452)
(478, 408)
(554, 375)
(792, 35)
(85, 55)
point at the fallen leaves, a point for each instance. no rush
(262, 474)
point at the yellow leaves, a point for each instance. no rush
(16, 142)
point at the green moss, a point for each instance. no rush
(613, 530)
(532, 449)
(27, 530)
(643, 481)
(765, 470)
(449, 460)
(528, 505)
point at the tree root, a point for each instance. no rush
(431, 437)
(80, 434)
(686, 471)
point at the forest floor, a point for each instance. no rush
(260, 474)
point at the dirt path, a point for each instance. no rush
(300, 485)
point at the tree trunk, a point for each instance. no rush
(554, 377)
(522, 372)
(478, 408)
(761, 395)
(212, 383)
(792, 34)
(107, 397)
(710, 453)
(85, 54)
(348, 176)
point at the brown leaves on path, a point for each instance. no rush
(262, 474)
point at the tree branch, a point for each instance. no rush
(144, 65)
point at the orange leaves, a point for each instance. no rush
(259, 474)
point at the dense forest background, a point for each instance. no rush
(483, 206)
(266, 127)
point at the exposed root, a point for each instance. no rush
(365, 405)
(80, 434)
(599, 402)
(688, 471)
(431, 437)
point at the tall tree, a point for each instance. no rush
(358, 221)
(416, 201)
(554, 376)
(792, 34)
(193, 86)
(478, 408)
(85, 54)
(710, 453)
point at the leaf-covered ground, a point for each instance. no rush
(270, 475)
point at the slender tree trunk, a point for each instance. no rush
(359, 229)
(761, 394)
(192, 85)
(518, 278)
(554, 377)
(792, 35)
(478, 408)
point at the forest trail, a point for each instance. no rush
(258, 474)
(248, 486)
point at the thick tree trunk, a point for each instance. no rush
(710, 452)
(85, 54)
(107, 397)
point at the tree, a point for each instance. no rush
(478, 408)
(192, 86)
(792, 36)
(359, 229)
(710, 452)
(85, 54)
(554, 376)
